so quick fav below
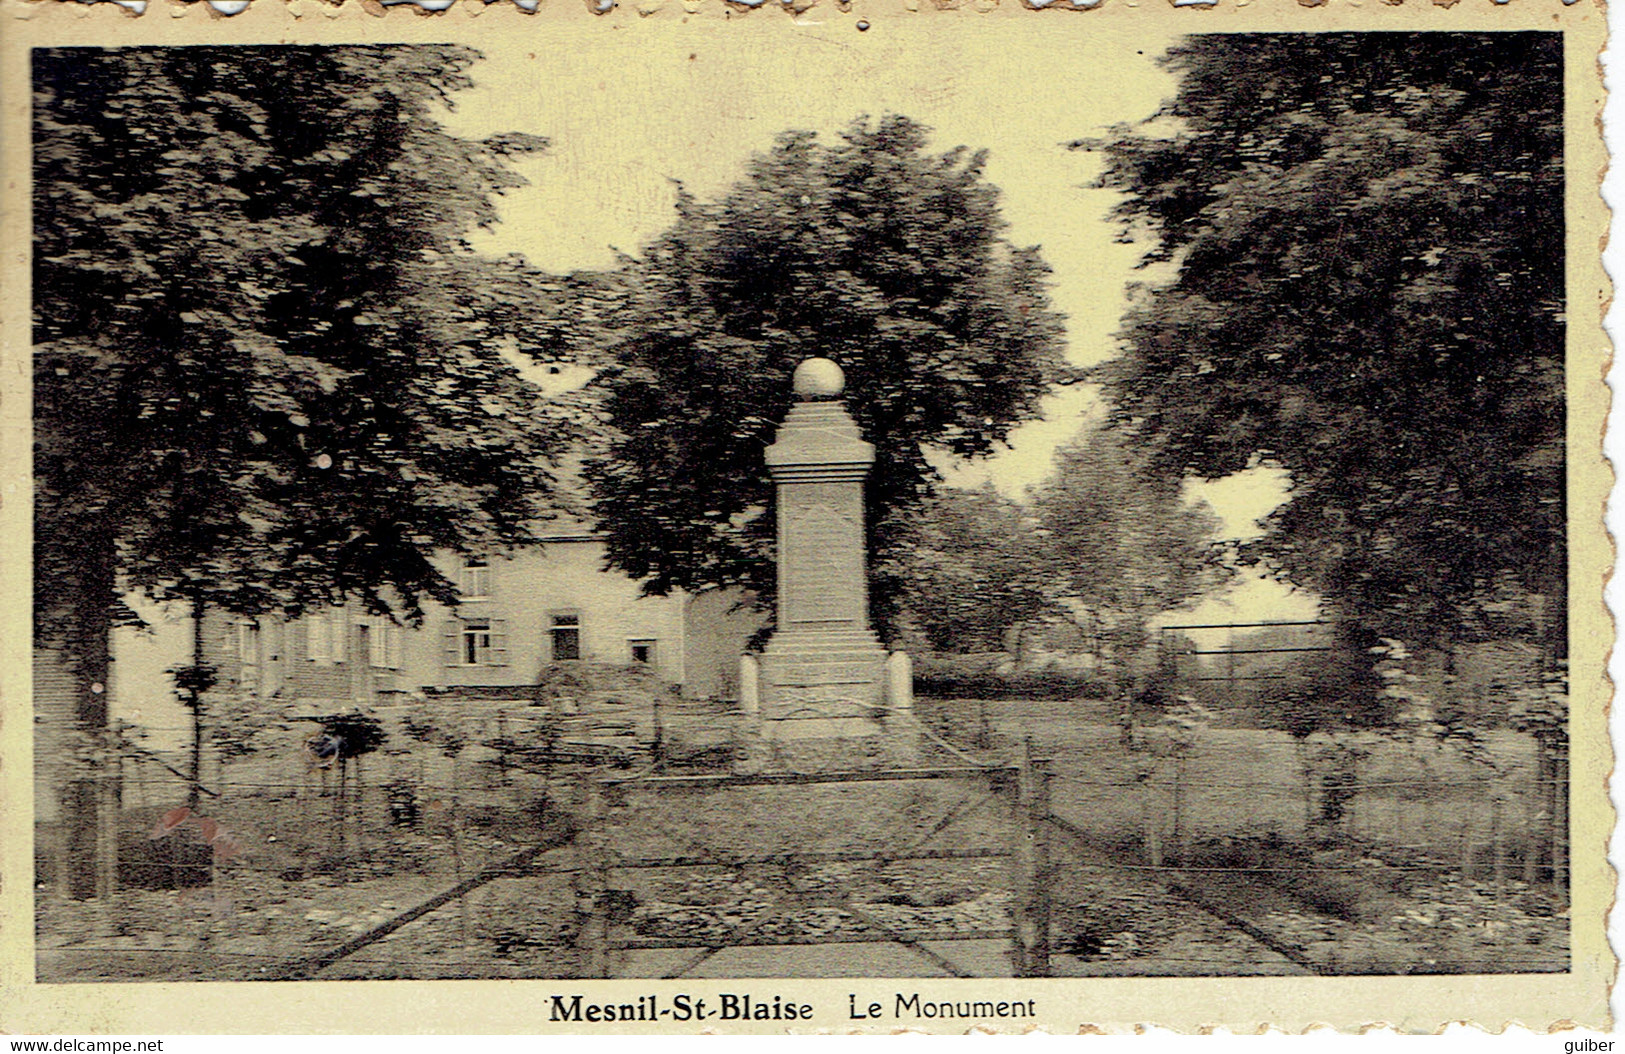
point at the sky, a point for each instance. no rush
(626, 126)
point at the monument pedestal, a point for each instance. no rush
(823, 673)
(815, 684)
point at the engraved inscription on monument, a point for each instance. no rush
(823, 565)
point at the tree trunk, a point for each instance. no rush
(78, 626)
(1560, 828)
(196, 702)
(1150, 822)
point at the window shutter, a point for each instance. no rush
(453, 634)
(339, 629)
(499, 642)
(392, 645)
(248, 652)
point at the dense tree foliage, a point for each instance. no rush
(1120, 543)
(868, 250)
(1368, 234)
(974, 570)
(269, 373)
(1102, 543)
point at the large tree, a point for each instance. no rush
(1120, 543)
(869, 250)
(974, 570)
(1368, 236)
(268, 370)
(1103, 543)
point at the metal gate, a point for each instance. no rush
(611, 861)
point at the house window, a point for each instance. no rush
(566, 637)
(248, 642)
(324, 637)
(476, 578)
(643, 651)
(248, 651)
(384, 644)
(476, 642)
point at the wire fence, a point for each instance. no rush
(1267, 854)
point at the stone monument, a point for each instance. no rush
(824, 672)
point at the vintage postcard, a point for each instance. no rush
(666, 516)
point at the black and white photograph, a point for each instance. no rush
(993, 510)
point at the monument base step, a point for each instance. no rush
(821, 643)
(810, 677)
(848, 691)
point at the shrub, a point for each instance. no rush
(982, 677)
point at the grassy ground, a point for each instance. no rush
(1420, 797)
(1404, 884)
(1249, 885)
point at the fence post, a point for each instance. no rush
(1467, 858)
(502, 752)
(657, 748)
(1498, 860)
(1530, 808)
(1399, 815)
(1429, 797)
(1351, 805)
(1020, 833)
(358, 813)
(1302, 749)
(463, 924)
(592, 931)
(1043, 871)
(1148, 817)
(1181, 821)
(107, 829)
(1560, 824)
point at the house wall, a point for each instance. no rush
(694, 642)
(718, 626)
(272, 663)
(530, 588)
(140, 689)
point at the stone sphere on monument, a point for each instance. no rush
(818, 379)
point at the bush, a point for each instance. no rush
(1340, 883)
(982, 677)
(175, 861)
(357, 733)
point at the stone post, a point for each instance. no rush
(750, 700)
(904, 731)
(899, 683)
